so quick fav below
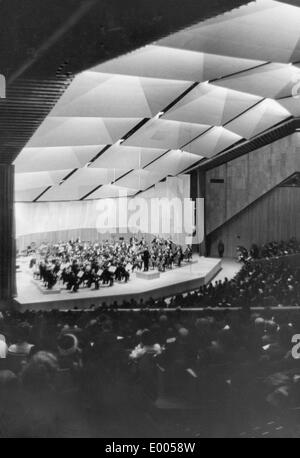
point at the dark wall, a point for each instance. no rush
(83, 33)
(7, 238)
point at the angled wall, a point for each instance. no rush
(275, 216)
(232, 187)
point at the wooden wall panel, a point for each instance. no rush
(215, 202)
(270, 165)
(247, 178)
(275, 216)
(237, 186)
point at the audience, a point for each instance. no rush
(258, 284)
(229, 359)
(269, 250)
(186, 357)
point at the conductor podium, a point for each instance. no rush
(150, 275)
(55, 290)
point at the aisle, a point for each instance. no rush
(230, 267)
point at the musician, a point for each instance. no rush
(42, 268)
(136, 262)
(96, 277)
(65, 274)
(47, 275)
(72, 277)
(188, 253)
(121, 273)
(161, 263)
(107, 276)
(72, 281)
(179, 256)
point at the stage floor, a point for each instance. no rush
(187, 278)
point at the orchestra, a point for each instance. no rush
(88, 264)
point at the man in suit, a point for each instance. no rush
(146, 257)
(221, 248)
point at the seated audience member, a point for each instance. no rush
(147, 345)
(282, 248)
(69, 353)
(19, 352)
(7, 380)
(3, 347)
(22, 346)
(254, 251)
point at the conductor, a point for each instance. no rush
(145, 258)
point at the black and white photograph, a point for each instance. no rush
(150, 221)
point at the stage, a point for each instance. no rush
(176, 281)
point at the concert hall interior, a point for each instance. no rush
(149, 202)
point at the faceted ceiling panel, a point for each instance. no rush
(128, 157)
(122, 97)
(260, 118)
(77, 131)
(62, 157)
(173, 163)
(81, 183)
(113, 191)
(211, 143)
(208, 104)
(176, 64)
(24, 181)
(139, 179)
(264, 30)
(269, 81)
(160, 133)
(292, 104)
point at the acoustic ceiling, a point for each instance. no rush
(130, 122)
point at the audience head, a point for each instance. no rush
(23, 333)
(147, 338)
(67, 345)
(39, 374)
